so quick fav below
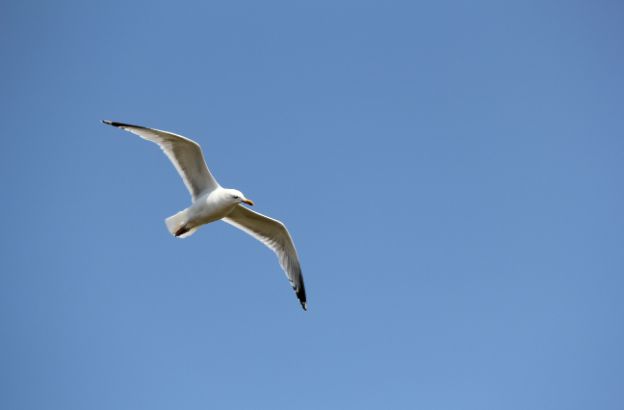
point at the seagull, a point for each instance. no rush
(211, 202)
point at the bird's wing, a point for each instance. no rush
(274, 235)
(185, 154)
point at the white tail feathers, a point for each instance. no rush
(175, 225)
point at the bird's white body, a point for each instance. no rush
(211, 202)
(209, 207)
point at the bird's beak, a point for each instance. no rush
(248, 201)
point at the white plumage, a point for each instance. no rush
(211, 202)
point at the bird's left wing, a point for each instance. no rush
(185, 154)
(275, 236)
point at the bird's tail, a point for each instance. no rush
(177, 225)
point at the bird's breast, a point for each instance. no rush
(210, 209)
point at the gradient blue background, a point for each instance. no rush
(452, 174)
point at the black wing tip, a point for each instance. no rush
(121, 124)
(301, 295)
(114, 123)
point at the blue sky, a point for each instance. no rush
(451, 173)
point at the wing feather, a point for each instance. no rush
(185, 154)
(275, 236)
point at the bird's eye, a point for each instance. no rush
(236, 196)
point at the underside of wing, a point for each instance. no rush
(185, 154)
(275, 236)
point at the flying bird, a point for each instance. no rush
(211, 202)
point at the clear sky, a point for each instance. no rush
(452, 174)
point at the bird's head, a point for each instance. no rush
(237, 197)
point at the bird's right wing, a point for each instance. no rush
(185, 154)
(275, 236)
